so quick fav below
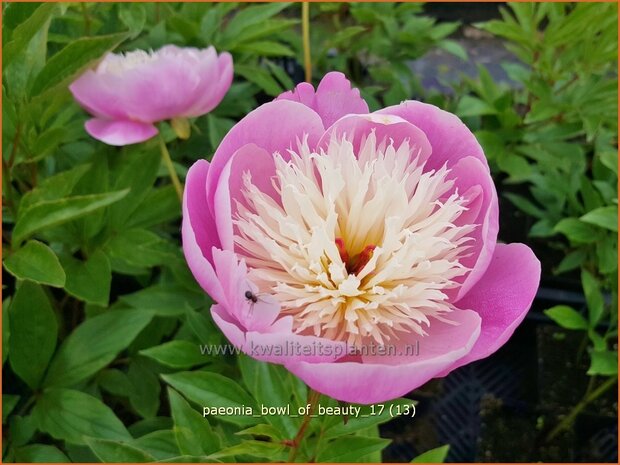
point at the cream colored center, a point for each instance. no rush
(361, 245)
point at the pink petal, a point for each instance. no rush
(448, 136)
(391, 377)
(119, 132)
(198, 231)
(275, 127)
(248, 159)
(471, 175)
(334, 98)
(277, 346)
(216, 82)
(385, 127)
(502, 298)
(99, 95)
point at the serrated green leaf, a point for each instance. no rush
(36, 262)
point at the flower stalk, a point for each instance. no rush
(305, 29)
(570, 418)
(165, 155)
(313, 399)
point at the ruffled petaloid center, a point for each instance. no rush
(360, 245)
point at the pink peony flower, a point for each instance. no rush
(321, 227)
(128, 93)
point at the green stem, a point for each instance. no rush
(165, 155)
(305, 29)
(568, 420)
(313, 398)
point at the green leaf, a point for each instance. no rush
(159, 206)
(594, 297)
(160, 444)
(437, 455)
(48, 213)
(89, 280)
(72, 416)
(193, 432)
(139, 247)
(261, 449)
(577, 231)
(351, 448)
(603, 362)
(25, 32)
(249, 16)
(133, 15)
(605, 217)
(36, 262)
(525, 205)
(265, 48)
(261, 78)
(218, 127)
(109, 451)
(55, 187)
(262, 429)
(6, 329)
(472, 106)
(164, 299)
(567, 317)
(145, 389)
(8, 404)
(94, 344)
(269, 387)
(176, 354)
(213, 390)
(73, 59)
(33, 333)
(454, 48)
(369, 416)
(40, 453)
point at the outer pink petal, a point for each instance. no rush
(274, 126)
(99, 95)
(248, 159)
(470, 175)
(334, 98)
(198, 231)
(358, 127)
(119, 132)
(367, 383)
(449, 137)
(277, 346)
(216, 82)
(502, 298)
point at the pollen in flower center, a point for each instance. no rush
(358, 246)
